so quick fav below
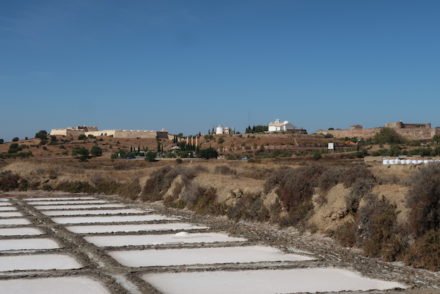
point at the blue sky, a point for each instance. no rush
(189, 65)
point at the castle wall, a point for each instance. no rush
(415, 133)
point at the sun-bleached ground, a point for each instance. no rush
(266, 281)
(28, 244)
(93, 212)
(134, 228)
(162, 239)
(65, 285)
(109, 219)
(38, 262)
(168, 257)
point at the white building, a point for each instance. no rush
(221, 130)
(280, 126)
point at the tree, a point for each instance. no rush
(42, 135)
(14, 148)
(82, 137)
(81, 153)
(150, 156)
(96, 151)
(388, 136)
(208, 153)
(2, 141)
(15, 139)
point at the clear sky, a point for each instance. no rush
(189, 65)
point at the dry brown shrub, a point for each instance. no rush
(352, 174)
(224, 170)
(346, 234)
(206, 202)
(75, 187)
(378, 232)
(9, 181)
(423, 200)
(160, 181)
(425, 252)
(130, 190)
(249, 207)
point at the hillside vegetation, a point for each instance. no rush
(389, 213)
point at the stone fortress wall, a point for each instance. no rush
(408, 131)
(93, 131)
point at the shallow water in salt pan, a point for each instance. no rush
(79, 206)
(20, 232)
(134, 240)
(69, 202)
(109, 219)
(214, 255)
(266, 281)
(28, 244)
(59, 199)
(8, 208)
(14, 221)
(65, 285)
(10, 214)
(93, 212)
(38, 262)
(133, 228)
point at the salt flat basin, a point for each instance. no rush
(191, 256)
(38, 262)
(79, 206)
(28, 244)
(266, 281)
(20, 232)
(179, 238)
(14, 221)
(64, 285)
(69, 202)
(94, 212)
(134, 228)
(36, 199)
(8, 208)
(111, 219)
(10, 214)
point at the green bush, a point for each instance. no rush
(208, 153)
(14, 148)
(15, 139)
(96, 151)
(81, 153)
(150, 156)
